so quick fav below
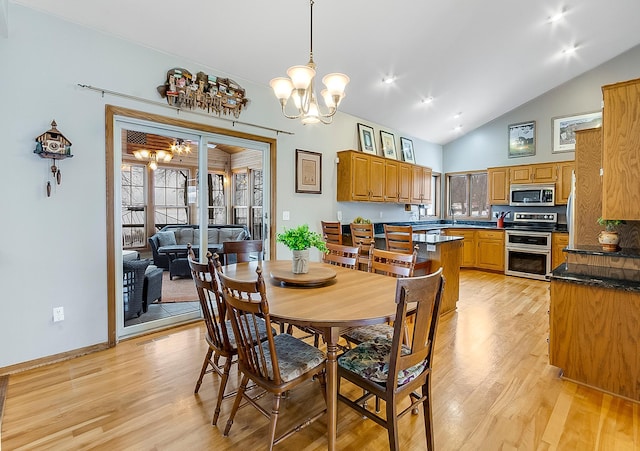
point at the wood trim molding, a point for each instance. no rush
(48, 360)
(110, 112)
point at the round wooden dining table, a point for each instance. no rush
(351, 298)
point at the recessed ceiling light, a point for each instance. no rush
(570, 50)
(388, 79)
(457, 115)
(457, 128)
(427, 100)
(556, 17)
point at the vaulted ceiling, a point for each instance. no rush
(474, 60)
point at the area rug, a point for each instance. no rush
(178, 290)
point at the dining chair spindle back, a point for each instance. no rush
(278, 364)
(332, 231)
(392, 371)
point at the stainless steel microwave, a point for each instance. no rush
(532, 195)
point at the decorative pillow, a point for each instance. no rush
(166, 238)
(231, 234)
(184, 235)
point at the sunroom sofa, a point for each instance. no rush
(184, 234)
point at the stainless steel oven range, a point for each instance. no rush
(528, 245)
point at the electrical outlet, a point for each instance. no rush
(285, 216)
(58, 314)
(339, 215)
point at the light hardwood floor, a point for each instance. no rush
(493, 389)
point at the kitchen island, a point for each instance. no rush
(441, 251)
(594, 319)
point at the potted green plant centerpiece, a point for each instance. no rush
(300, 239)
(609, 237)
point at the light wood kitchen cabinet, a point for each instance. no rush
(559, 240)
(397, 182)
(469, 245)
(534, 173)
(563, 185)
(620, 144)
(498, 186)
(360, 177)
(490, 249)
(370, 178)
(420, 185)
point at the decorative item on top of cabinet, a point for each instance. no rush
(620, 144)
(498, 186)
(609, 237)
(55, 146)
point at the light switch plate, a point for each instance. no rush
(285, 216)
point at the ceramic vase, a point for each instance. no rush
(609, 240)
(300, 261)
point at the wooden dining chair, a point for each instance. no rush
(400, 239)
(279, 364)
(340, 255)
(219, 332)
(332, 231)
(362, 235)
(393, 264)
(393, 371)
(242, 251)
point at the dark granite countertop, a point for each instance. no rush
(599, 276)
(597, 250)
(427, 238)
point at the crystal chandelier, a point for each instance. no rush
(299, 85)
(153, 156)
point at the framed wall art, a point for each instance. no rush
(564, 128)
(308, 172)
(367, 140)
(522, 139)
(406, 145)
(388, 145)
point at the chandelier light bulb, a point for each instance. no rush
(301, 76)
(282, 88)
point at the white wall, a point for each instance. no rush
(54, 251)
(487, 146)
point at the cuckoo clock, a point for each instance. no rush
(53, 145)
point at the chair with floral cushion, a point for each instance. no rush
(393, 264)
(219, 332)
(279, 364)
(392, 371)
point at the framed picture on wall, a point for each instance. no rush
(522, 139)
(406, 145)
(388, 145)
(564, 128)
(308, 172)
(367, 141)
